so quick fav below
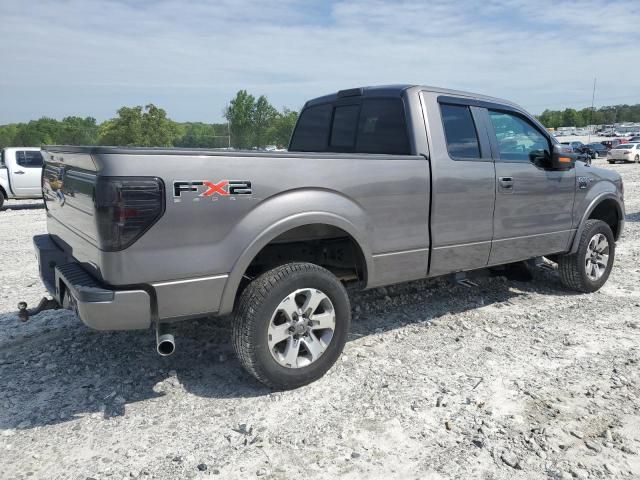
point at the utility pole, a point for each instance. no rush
(593, 97)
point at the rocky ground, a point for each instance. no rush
(502, 380)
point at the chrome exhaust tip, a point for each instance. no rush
(165, 342)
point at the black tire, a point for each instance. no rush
(256, 307)
(611, 161)
(637, 159)
(572, 266)
(1, 199)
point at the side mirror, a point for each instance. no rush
(562, 158)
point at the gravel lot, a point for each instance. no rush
(506, 379)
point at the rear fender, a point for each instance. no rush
(289, 210)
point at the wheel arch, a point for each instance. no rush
(606, 207)
(281, 227)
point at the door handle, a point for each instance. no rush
(506, 182)
(19, 172)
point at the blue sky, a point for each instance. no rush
(89, 57)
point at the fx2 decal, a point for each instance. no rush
(212, 190)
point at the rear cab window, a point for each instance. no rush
(368, 125)
(460, 132)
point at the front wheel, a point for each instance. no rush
(589, 268)
(637, 159)
(291, 325)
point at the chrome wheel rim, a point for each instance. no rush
(301, 328)
(597, 257)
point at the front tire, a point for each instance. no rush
(291, 325)
(588, 269)
(637, 159)
(1, 200)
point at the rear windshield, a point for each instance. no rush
(624, 146)
(372, 125)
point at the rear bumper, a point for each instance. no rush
(98, 306)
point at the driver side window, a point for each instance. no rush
(518, 140)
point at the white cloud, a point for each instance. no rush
(190, 56)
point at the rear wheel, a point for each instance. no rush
(291, 325)
(589, 268)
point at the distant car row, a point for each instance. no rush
(611, 149)
(602, 133)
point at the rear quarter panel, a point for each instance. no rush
(382, 201)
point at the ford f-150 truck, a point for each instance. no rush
(20, 172)
(380, 185)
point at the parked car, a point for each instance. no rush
(575, 146)
(370, 193)
(627, 152)
(611, 143)
(634, 139)
(20, 173)
(594, 150)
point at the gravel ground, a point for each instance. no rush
(506, 379)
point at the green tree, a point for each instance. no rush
(125, 129)
(264, 116)
(240, 114)
(8, 134)
(78, 131)
(157, 129)
(200, 135)
(135, 126)
(282, 127)
(570, 118)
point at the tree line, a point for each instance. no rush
(251, 123)
(570, 117)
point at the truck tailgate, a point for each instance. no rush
(68, 185)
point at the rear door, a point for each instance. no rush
(26, 173)
(463, 185)
(534, 205)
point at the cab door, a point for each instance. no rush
(26, 173)
(534, 205)
(463, 185)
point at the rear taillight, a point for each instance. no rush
(126, 207)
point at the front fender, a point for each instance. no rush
(592, 203)
(289, 210)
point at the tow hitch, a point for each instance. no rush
(45, 304)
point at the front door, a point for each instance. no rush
(534, 205)
(26, 174)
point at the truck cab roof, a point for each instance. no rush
(397, 90)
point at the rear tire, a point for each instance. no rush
(1, 200)
(291, 325)
(588, 269)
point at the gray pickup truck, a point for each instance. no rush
(380, 185)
